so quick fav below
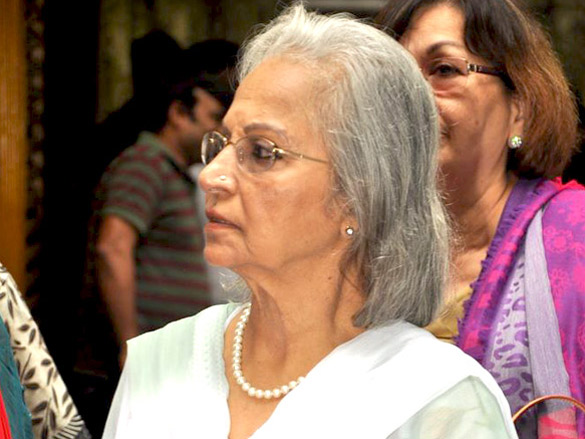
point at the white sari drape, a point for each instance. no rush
(393, 382)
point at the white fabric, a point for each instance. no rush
(395, 382)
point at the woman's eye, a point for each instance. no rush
(261, 152)
(444, 68)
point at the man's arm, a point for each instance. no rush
(116, 275)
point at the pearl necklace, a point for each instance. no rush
(275, 393)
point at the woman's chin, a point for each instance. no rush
(217, 257)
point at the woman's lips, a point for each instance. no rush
(218, 222)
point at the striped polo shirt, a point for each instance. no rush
(146, 187)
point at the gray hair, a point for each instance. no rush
(377, 116)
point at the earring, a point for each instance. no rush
(222, 178)
(349, 231)
(515, 142)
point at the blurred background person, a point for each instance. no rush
(143, 204)
(320, 194)
(145, 265)
(148, 240)
(516, 300)
(156, 60)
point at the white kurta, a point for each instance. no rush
(395, 382)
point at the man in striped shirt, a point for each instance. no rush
(148, 249)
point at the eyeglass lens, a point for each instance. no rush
(211, 145)
(255, 154)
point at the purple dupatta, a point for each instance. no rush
(495, 329)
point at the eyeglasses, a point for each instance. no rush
(255, 153)
(449, 74)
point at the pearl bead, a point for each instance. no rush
(277, 392)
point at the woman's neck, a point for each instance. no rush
(476, 211)
(294, 323)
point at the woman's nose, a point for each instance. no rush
(219, 174)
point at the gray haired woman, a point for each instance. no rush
(320, 194)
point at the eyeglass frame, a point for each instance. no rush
(275, 151)
(477, 68)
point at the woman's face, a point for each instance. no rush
(283, 218)
(477, 119)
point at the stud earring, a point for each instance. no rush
(222, 178)
(515, 142)
(349, 231)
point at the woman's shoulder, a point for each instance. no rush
(442, 366)
(563, 224)
(177, 342)
(422, 356)
(570, 196)
(446, 358)
(171, 374)
(567, 205)
(396, 369)
(210, 319)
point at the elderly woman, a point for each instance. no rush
(516, 302)
(320, 194)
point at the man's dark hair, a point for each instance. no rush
(213, 63)
(156, 59)
(206, 65)
(160, 101)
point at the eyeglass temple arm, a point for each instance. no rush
(298, 156)
(485, 69)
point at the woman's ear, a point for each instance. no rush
(517, 117)
(349, 225)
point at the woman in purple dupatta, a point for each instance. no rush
(508, 129)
